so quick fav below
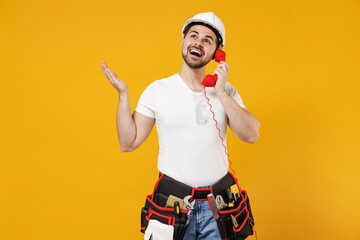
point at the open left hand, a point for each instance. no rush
(222, 72)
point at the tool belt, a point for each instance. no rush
(165, 186)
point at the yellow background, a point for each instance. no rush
(62, 173)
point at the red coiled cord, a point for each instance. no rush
(222, 140)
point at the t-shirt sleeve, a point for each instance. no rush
(147, 101)
(231, 90)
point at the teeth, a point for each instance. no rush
(195, 51)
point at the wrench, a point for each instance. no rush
(187, 204)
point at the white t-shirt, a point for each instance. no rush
(190, 148)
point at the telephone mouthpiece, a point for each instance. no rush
(209, 80)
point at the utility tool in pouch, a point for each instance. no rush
(212, 203)
(177, 209)
(235, 222)
(171, 201)
(236, 225)
(220, 204)
(188, 206)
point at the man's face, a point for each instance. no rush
(198, 46)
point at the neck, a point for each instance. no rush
(192, 77)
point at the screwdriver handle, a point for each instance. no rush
(177, 209)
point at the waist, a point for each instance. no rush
(169, 186)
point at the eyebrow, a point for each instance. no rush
(208, 36)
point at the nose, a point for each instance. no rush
(198, 43)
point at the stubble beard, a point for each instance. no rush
(191, 64)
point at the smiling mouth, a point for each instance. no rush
(195, 52)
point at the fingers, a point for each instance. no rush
(120, 86)
(223, 65)
(104, 66)
(221, 70)
(110, 74)
(116, 77)
(113, 77)
(107, 71)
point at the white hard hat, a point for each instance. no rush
(210, 20)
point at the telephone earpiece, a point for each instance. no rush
(210, 80)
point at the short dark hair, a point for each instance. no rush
(217, 34)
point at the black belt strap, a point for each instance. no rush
(201, 194)
(169, 186)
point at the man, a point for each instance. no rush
(190, 151)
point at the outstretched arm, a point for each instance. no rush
(132, 129)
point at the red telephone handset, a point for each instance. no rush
(210, 80)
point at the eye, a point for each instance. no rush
(207, 41)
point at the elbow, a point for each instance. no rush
(123, 149)
(253, 138)
(126, 145)
(249, 138)
(126, 148)
(254, 135)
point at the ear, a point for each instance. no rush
(182, 42)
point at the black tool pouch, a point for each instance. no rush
(243, 215)
(155, 209)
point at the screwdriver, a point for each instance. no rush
(177, 209)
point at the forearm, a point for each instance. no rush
(126, 128)
(244, 125)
